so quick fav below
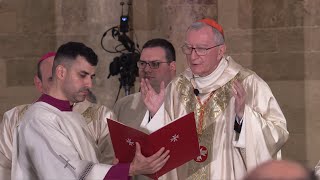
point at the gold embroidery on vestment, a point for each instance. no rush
(216, 105)
(90, 114)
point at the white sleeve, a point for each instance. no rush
(156, 122)
(43, 146)
(7, 126)
(264, 130)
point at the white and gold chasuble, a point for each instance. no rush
(229, 154)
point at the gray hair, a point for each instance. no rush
(218, 38)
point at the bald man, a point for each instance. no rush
(284, 170)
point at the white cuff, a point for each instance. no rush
(156, 122)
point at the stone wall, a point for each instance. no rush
(278, 39)
(86, 21)
(27, 31)
(170, 19)
(311, 31)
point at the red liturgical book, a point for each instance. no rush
(180, 137)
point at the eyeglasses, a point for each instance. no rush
(200, 51)
(152, 64)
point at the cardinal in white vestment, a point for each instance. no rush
(239, 122)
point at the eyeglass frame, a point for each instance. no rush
(149, 64)
(192, 48)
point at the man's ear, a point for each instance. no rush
(38, 83)
(61, 72)
(222, 50)
(173, 66)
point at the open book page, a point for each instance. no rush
(180, 137)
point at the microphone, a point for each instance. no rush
(196, 92)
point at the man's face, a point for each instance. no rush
(203, 38)
(165, 72)
(46, 74)
(78, 80)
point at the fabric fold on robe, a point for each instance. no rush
(51, 143)
(230, 154)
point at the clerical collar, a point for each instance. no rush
(59, 104)
(204, 82)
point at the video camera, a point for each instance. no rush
(126, 66)
(126, 63)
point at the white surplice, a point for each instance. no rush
(7, 126)
(229, 154)
(131, 111)
(63, 141)
(94, 114)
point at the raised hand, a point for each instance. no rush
(148, 165)
(150, 97)
(240, 96)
